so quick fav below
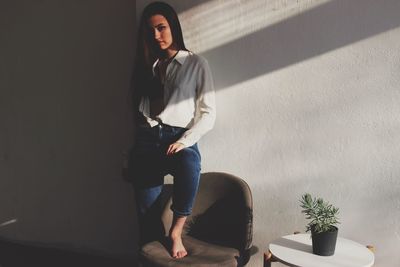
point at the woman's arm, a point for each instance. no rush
(205, 106)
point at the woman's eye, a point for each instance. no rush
(160, 28)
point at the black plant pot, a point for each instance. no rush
(324, 243)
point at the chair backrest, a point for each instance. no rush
(222, 213)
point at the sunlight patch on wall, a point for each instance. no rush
(215, 23)
(8, 222)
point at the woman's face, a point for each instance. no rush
(161, 32)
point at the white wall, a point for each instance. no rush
(308, 101)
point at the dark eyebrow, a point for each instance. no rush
(161, 24)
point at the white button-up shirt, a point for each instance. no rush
(189, 97)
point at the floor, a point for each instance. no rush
(23, 255)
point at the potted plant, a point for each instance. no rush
(323, 220)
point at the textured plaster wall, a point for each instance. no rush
(308, 101)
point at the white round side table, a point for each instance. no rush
(296, 250)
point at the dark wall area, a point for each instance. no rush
(65, 120)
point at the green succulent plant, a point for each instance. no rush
(322, 215)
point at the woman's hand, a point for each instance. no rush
(175, 148)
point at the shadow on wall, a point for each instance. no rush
(21, 254)
(64, 77)
(317, 31)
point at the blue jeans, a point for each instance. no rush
(151, 164)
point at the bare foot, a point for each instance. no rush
(177, 249)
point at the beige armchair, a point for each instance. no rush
(219, 231)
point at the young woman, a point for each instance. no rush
(175, 101)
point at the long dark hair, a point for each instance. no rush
(147, 50)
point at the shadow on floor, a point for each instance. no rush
(13, 254)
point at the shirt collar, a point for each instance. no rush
(180, 57)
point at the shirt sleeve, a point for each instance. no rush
(205, 106)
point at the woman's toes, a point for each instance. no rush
(178, 250)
